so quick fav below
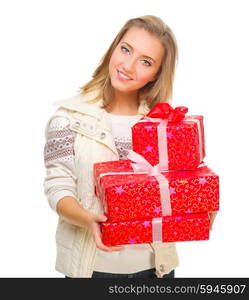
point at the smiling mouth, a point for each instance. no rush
(123, 75)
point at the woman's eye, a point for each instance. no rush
(149, 64)
(124, 48)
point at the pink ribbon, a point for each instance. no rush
(157, 230)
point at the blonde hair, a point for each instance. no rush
(154, 92)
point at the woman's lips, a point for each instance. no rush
(122, 78)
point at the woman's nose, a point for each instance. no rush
(129, 65)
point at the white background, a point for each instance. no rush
(50, 48)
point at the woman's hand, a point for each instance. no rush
(212, 215)
(94, 226)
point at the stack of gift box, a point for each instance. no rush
(163, 191)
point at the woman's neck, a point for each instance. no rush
(126, 111)
(124, 104)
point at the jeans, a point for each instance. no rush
(143, 274)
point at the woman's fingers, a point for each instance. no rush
(116, 248)
(98, 240)
(103, 247)
(99, 218)
(212, 215)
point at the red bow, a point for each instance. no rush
(165, 111)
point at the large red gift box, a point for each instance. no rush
(181, 137)
(126, 195)
(191, 227)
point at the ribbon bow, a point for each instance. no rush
(140, 164)
(165, 111)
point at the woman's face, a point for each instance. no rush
(136, 60)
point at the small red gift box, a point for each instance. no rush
(127, 195)
(169, 138)
(191, 227)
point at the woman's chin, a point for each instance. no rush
(122, 88)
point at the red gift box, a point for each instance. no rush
(126, 195)
(168, 133)
(192, 227)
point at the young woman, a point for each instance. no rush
(95, 125)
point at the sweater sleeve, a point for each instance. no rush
(60, 179)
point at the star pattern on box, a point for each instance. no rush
(148, 148)
(119, 189)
